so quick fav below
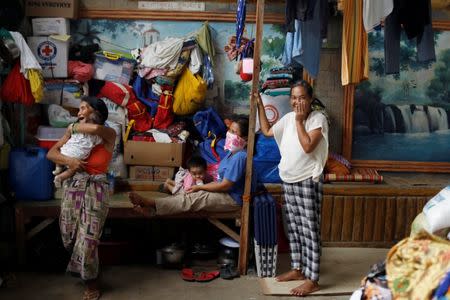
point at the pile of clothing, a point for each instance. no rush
(279, 77)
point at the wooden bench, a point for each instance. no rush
(373, 215)
(361, 215)
(120, 208)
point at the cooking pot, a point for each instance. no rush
(173, 254)
(229, 252)
(227, 256)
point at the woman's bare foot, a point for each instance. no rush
(90, 294)
(92, 291)
(291, 275)
(137, 199)
(306, 288)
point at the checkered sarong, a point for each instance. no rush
(303, 205)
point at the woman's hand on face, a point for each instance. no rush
(301, 110)
(76, 164)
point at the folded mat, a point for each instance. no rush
(356, 175)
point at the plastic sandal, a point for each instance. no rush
(188, 274)
(207, 276)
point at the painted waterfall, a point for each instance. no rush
(404, 117)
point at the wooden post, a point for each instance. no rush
(20, 236)
(243, 253)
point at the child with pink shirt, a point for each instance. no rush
(195, 174)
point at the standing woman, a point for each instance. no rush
(84, 206)
(302, 137)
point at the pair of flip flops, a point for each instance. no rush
(189, 275)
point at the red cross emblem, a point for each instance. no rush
(47, 50)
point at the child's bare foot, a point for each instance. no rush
(57, 181)
(291, 275)
(137, 199)
(306, 288)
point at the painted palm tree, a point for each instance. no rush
(86, 35)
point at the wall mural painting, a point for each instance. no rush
(231, 93)
(404, 117)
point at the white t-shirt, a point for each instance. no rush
(80, 145)
(296, 165)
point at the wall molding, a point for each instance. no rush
(135, 14)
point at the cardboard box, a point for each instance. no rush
(141, 172)
(162, 173)
(52, 54)
(50, 26)
(151, 173)
(153, 154)
(52, 8)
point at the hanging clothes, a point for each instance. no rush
(195, 63)
(204, 40)
(311, 35)
(27, 58)
(374, 11)
(16, 88)
(208, 74)
(240, 21)
(292, 45)
(36, 84)
(162, 54)
(301, 10)
(392, 33)
(164, 115)
(413, 15)
(355, 51)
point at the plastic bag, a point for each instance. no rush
(437, 210)
(59, 117)
(189, 93)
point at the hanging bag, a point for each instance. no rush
(164, 115)
(189, 93)
(246, 70)
(208, 123)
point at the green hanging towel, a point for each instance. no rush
(205, 42)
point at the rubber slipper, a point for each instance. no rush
(207, 276)
(188, 274)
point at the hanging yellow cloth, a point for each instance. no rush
(36, 84)
(355, 52)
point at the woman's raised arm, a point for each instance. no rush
(266, 129)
